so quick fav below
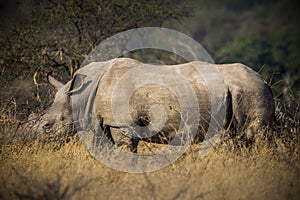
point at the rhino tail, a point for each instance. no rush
(228, 124)
(275, 121)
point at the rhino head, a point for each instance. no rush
(57, 119)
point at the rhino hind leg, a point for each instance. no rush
(236, 122)
(231, 126)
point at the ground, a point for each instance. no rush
(36, 170)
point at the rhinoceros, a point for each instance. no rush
(248, 100)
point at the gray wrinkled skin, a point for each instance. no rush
(249, 100)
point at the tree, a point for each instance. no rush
(54, 35)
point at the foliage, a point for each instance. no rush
(260, 34)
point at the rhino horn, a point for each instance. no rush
(55, 83)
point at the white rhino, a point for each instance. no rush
(248, 99)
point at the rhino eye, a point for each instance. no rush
(61, 118)
(47, 126)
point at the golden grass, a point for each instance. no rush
(37, 171)
(49, 170)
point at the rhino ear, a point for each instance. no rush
(55, 83)
(76, 84)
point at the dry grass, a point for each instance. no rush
(50, 170)
(37, 171)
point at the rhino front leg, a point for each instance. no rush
(107, 133)
(134, 144)
(100, 134)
